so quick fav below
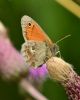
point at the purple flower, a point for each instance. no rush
(38, 73)
(11, 61)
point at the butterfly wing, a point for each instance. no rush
(32, 31)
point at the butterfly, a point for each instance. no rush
(38, 47)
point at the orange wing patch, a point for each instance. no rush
(33, 32)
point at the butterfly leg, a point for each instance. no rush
(58, 53)
(55, 50)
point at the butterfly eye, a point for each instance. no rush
(29, 24)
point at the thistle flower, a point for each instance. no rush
(11, 61)
(63, 72)
(37, 76)
(40, 72)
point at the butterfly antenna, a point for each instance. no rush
(63, 38)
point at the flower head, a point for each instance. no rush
(38, 74)
(63, 72)
(11, 61)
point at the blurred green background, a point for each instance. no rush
(57, 23)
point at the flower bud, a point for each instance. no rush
(63, 72)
